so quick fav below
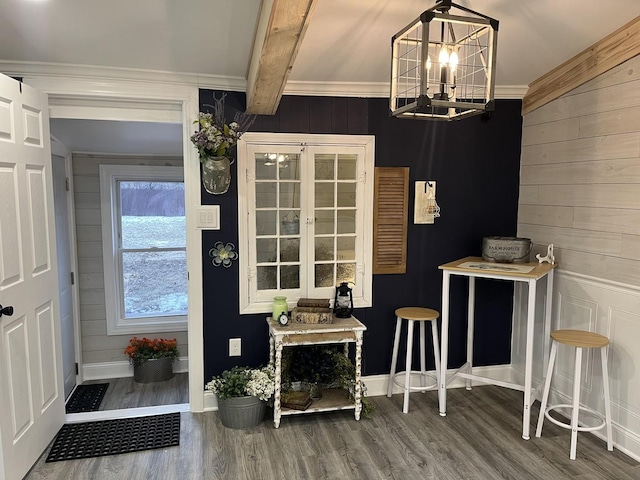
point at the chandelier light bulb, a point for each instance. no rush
(428, 62)
(453, 61)
(443, 58)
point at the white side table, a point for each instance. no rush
(342, 330)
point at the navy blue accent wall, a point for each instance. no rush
(476, 164)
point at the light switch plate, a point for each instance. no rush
(208, 217)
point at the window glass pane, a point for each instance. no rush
(346, 194)
(324, 194)
(324, 249)
(267, 278)
(266, 222)
(347, 221)
(266, 166)
(152, 214)
(289, 195)
(346, 272)
(346, 248)
(347, 167)
(266, 250)
(266, 194)
(289, 166)
(324, 164)
(155, 283)
(324, 222)
(324, 276)
(290, 250)
(289, 222)
(289, 276)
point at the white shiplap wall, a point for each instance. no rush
(580, 190)
(97, 346)
(580, 176)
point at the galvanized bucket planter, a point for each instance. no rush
(241, 412)
(153, 370)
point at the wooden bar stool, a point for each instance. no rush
(579, 339)
(412, 315)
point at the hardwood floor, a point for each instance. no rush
(125, 393)
(479, 439)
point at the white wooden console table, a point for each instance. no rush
(474, 267)
(342, 330)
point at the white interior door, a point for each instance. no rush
(60, 193)
(31, 391)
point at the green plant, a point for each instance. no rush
(140, 349)
(243, 381)
(325, 365)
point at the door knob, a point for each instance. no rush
(8, 311)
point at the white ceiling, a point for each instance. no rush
(347, 42)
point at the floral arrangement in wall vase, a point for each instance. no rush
(215, 141)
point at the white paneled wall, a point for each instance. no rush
(98, 348)
(580, 190)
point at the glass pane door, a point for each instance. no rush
(335, 196)
(277, 207)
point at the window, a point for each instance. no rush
(305, 213)
(144, 248)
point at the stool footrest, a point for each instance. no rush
(430, 373)
(596, 414)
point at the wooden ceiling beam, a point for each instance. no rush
(609, 52)
(279, 33)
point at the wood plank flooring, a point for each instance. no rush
(125, 393)
(479, 439)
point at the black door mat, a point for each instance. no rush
(86, 398)
(111, 437)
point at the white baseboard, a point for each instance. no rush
(122, 369)
(377, 384)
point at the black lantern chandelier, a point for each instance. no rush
(443, 65)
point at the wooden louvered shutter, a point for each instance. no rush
(390, 214)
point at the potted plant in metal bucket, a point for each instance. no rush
(152, 360)
(242, 395)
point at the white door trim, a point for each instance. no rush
(136, 93)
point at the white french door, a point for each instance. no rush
(31, 389)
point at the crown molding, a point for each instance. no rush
(21, 69)
(216, 82)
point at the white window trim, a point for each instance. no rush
(116, 324)
(364, 268)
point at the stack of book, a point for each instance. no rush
(312, 310)
(296, 400)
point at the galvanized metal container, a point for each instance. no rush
(153, 370)
(506, 249)
(241, 412)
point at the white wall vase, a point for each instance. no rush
(216, 174)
